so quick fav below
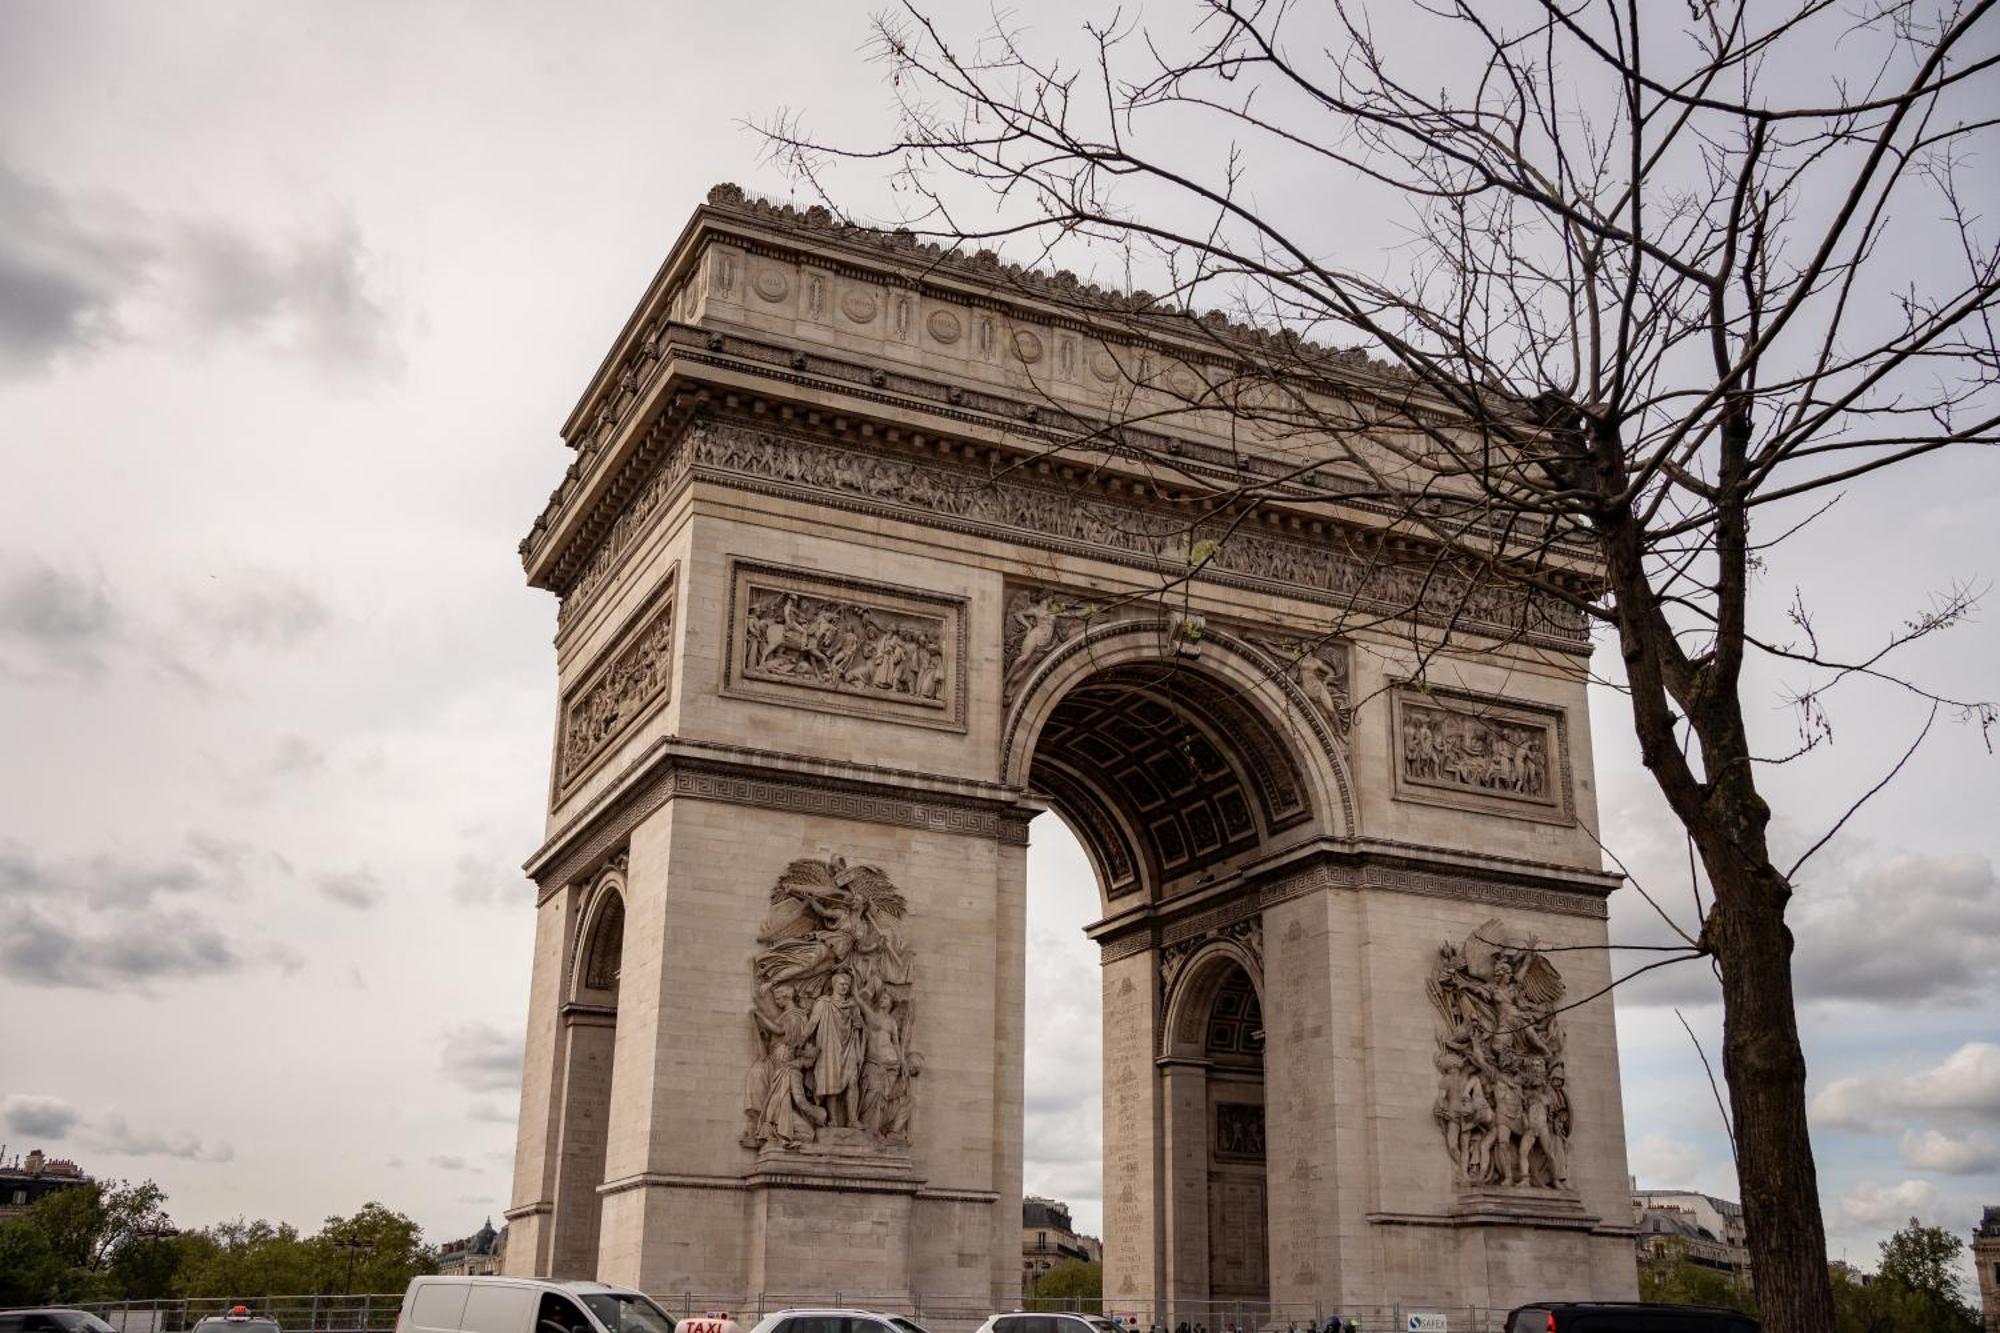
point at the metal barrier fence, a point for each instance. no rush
(376, 1312)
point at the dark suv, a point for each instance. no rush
(1626, 1317)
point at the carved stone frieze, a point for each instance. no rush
(819, 641)
(1502, 1101)
(1059, 517)
(1245, 932)
(1318, 666)
(831, 1014)
(1472, 752)
(1239, 1131)
(632, 678)
(1037, 620)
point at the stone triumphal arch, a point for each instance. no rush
(837, 620)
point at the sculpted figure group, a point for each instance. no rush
(830, 1017)
(1481, 753)
(1501, 1099)
(841, 646)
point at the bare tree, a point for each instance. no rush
(1671, 273)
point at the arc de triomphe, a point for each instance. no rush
(837, 619)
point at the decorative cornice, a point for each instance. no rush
(673, 768)
(1348, 867)
(1085, 511)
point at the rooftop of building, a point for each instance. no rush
(37, 1165)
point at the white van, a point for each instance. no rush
(526, 1305)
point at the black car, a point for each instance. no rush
(1626, 1317)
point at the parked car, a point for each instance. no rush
(51, 1321)
(835, 1321)
(1024, 1321)
(1626, 1317)
(526, 1305)
(240, 1319)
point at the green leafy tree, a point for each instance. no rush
(245, 1259)
(87, 1224)
(30, 1272)
(377, 1249)
(1072, 1284)
(1923, 1262)
(1670, 1274)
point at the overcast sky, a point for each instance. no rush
(292, 301)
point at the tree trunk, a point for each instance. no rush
(1766, 1072)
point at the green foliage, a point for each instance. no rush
(106, 1241)
(1917, 1286)
(30, 1272)
(1070, 1285)
(375, 1250)
(1668, 1274)
(245, 1258)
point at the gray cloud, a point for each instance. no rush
(129, 953)
(103, 882)
(1910, 928)
(480, 1057)
(112, 1133)
(256, 607)
(1906, 929)
(359, 889)
(113, 924)
(311, 293)
(450, 1162)
(53, 622)
(38, 1117)
(52, 1118)
(78, 272)
(62, 275)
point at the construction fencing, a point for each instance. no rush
(376, 1313)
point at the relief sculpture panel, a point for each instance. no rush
(842, 645)
(1502, 1103)
(631, 679)
(1474, 753)
(830, 1015)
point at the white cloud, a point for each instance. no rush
(1886, 1207)
(1661, 1162)
(1949, 1154)
(1967, 1081)
(1848, 1104)
(1964, 1086)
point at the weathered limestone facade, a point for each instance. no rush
(835, 627)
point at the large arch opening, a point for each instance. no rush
(589, 1041)
(1174, 779)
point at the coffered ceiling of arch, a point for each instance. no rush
(1164, 773)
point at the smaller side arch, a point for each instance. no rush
(597, 956)
(1192, 990)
